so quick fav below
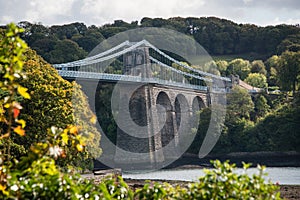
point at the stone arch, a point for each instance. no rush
(138, 114)
(181, 110)
(165, 112)
(137, 107)
(197, 105)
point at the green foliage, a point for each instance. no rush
(217, 36)
(11, 66)
(278, 131)
(205, 116)
(103, 111)
(114, 188)
(154, 191)
(257, 80)
(271, 66)
(261, 106)
(39, 163)
(239, 67)
(222, 66)
(289, 71)
(258, 67)
(65, 51)
(54, 102)
(223, 183)
(290, 43)
(240, 104)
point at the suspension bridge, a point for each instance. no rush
(163, 80)
(142, 62)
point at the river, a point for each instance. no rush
(281, 175)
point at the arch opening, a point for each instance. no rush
(164, 111)
(181, 110)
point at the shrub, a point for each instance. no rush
(223, 183)
(52, 104)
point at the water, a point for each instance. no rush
(281, 175)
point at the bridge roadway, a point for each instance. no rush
(126, 78)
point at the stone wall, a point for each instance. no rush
(165, 117)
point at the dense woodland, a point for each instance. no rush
(58, 44)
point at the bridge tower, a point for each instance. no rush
(143, 112)
(137, 63)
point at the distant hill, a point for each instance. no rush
(69, 42)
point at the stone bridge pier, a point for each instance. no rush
(155, 124)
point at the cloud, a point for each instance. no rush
(136, 9)
(247, 1)
(293, 21)
(50, 11)
(99, 12)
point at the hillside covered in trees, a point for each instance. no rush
(264, 57)
(58, 44)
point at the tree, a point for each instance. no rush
(222, 66)
(271, 66)
(257, 80)
(108, 31)
(239, 67)
(278, 131)
(11, 71)
(289, 70)
(258, 67)
(65, 51)
(44, 46)
(291, 43)
(238, 110)
(66, 31)
(212, 68)
(240, 104)
(88, 43)
(55, 102)
(261, 106)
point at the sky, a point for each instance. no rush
(100, 12)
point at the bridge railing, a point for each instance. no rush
(127, 78)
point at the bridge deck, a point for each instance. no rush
(127, 78)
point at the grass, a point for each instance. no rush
(199, 60)
(246, 56)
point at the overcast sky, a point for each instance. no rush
(99, 12)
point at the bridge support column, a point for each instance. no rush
(146, 151)
(176, 134)
(132, 147)
(156, 153)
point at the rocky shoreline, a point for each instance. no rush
(190, 161)
(288, 192)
